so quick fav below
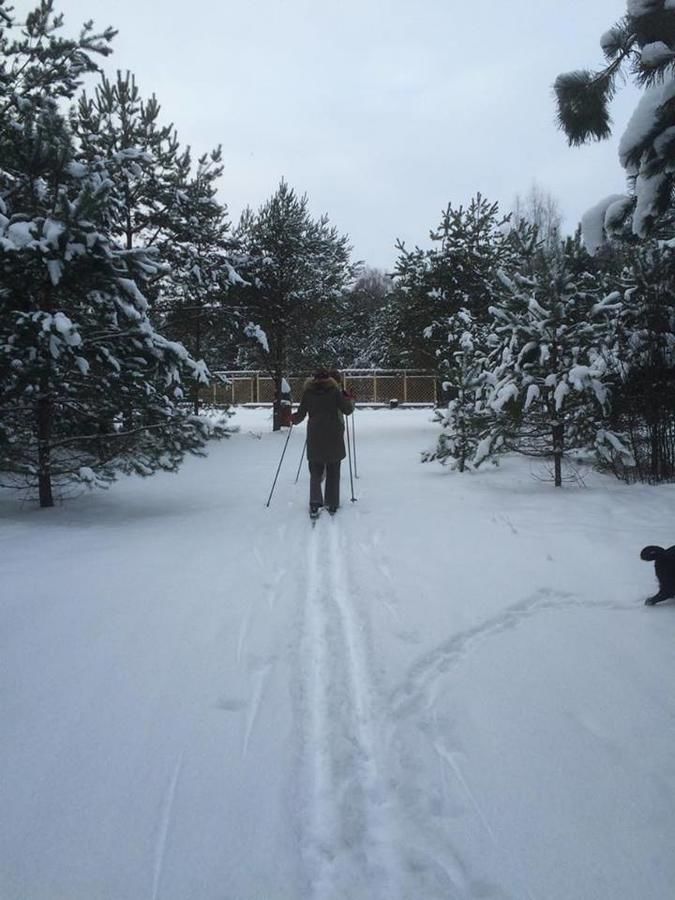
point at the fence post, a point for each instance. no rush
(405, 386)
(257, 387)
(374, 387)
(232, 389)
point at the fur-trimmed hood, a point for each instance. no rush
(320, 384)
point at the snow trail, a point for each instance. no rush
(351, 835)
(379, 811)
(444, 692)
(321, 815)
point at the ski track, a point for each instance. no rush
(360, 783)
(351, 833)
(253, 708)
(313, 650)
(164, 826)
(272, 587)
(243, 635)
(447, 759)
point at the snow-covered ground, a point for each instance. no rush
(451, 690)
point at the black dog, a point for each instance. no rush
(664, 563)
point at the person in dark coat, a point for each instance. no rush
(324, 403)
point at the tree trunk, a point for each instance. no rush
(462, 426)
(558, 430)
(654, 454)
(276, 407)
(277, 375)
(197, 352)
(44, 432)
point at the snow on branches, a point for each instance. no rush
(644, 43)
(88, 387)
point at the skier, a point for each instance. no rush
(324, 402)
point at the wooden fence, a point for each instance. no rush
(371, 386)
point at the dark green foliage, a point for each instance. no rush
(458, 271)
(583, 105)
(638, 272)
(583, 96)
(295, 269)
(466, 420)
(616, 40)
(40, 66)
(193, 305)
(88, 388)
(644, 47)
(547, 387)
(145, 158)
(165, 201)
(641, 321)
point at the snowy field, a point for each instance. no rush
(451, 690)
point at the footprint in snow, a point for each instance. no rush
(230, 704)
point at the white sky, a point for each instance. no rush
(382, 112)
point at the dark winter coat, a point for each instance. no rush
(323, 401)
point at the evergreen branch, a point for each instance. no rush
(583, 99)
(108, 435)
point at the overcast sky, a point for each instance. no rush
(382, 112)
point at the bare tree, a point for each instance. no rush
(539, 208)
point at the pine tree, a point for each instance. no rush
(40, 67)
(165, 201)
(194, 300)
(458, 271)
(640, 314)
(295, 269)
(77, 349)
(466, 438)
(548, 385)
(144, 157)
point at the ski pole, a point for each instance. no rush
(356, 468)
(302, 456)
(283, 453)
(349, 456)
